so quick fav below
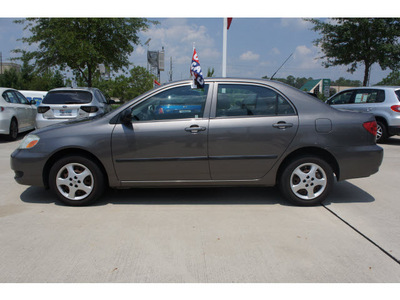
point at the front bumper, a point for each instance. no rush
(28, 167)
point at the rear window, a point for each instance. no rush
(398, 94)
(67, 97)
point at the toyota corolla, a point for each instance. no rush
(233, 132)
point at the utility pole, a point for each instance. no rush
(1, 62)
(170, 69)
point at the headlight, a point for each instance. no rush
(29, 142)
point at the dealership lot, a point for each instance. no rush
(203, 235)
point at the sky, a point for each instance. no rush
(260, 39)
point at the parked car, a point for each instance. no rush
(383, 102)
(234, 132)
(17, 114)
(64, 104)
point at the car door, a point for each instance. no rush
(17, 108)
(250, 128)
(29, 110)
(167, 139)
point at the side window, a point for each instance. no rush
(21, 98)
(100, 96)
(342, 98)
(176, 103)
(250, 100)
(12, 98)
(369, 96)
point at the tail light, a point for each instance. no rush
(1, 108)
(371, 127)
(395, 108)
(42, 109)
(90, 109)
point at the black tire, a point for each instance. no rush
(306, 180)
(12, 136)
(382, 132)
(76, 180)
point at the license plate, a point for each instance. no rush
(65, 112)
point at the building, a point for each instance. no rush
(317, 86)
(4, 66)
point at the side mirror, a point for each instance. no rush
(126, 116)
(111, 101)
(32, 102)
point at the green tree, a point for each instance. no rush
(82, 43)
(355, 41)
(392, 79)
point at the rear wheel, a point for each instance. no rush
(306, 180)
(76, 180)
(381, 132)
(13, 130)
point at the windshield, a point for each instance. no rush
(67, 97)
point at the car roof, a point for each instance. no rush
(86, 89)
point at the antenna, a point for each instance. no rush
(281, 65)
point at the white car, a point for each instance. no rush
(17, 114)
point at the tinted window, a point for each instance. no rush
(67, 97)
(342, 98)
(21, 98)
(398, 94)
(369, 96)
(249, 100)
(10, 97)
(176, 103)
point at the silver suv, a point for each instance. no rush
(382, 101)
(65, 104)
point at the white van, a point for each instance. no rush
(34, 95)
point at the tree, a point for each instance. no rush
(354, 41)
(392, 79)
(83, 43)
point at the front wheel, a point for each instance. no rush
(76, 180)
(306, 180)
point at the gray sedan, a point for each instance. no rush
(234, 132)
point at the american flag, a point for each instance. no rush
(195, 70)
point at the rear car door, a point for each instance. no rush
(19, 110)
(250, 128)
(167, 139)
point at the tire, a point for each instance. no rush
(382, 133)
(306, 180)
(12, 136)
(76, 180)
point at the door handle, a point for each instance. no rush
(195, 128)
(282, 125)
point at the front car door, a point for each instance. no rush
(167, 140)
(250, 128)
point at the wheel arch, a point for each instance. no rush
(314, 151)
(66, 152)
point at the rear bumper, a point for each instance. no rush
(358, 161)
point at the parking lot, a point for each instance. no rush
(203, 235)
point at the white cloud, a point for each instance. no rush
(295, 23)
(249, 55)
(275, 51)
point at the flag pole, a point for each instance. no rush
(224, 46)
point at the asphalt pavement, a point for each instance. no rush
(208, 235)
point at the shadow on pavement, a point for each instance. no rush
(343, 192)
